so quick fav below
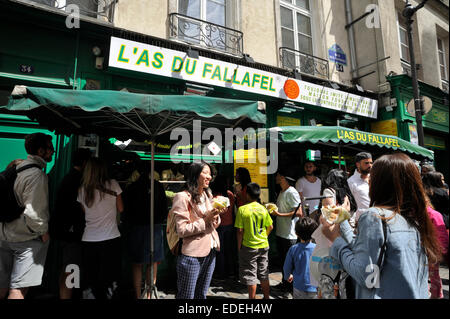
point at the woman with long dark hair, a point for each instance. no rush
(335, 185)
(101, 200)
(406, 242)
(436, 290)
(196, 223)
(136, 217)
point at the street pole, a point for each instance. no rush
(408, 13)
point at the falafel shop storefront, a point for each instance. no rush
(124, 115)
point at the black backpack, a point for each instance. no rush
(10, 209)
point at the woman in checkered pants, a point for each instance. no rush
(196, 222)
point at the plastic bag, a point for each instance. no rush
(321, 251)
(326, 272)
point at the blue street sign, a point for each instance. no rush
(337, 55)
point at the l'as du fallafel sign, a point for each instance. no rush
(141, 57)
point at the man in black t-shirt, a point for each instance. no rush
(67, 221)
(137, 217)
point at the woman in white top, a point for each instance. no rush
(101, 200)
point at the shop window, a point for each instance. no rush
(443, 71)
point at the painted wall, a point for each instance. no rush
(330, 29)
(428, 22)
(375, 43)
(144, 16)
(262, 33)
(258, 26)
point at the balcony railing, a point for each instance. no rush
(304, 63)
(205, 34)
(98, 9)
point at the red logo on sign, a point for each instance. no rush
(291, 89)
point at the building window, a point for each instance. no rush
(207, 23)
(297, 39)
(442, 65)
(195, 31)
(404, 46)
(207, 10)
(296, 28)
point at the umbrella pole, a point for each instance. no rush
(339, 156)
(152, 214)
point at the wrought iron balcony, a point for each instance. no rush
(205, 34)
(98, 9)
(304, 63)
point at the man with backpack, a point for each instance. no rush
(24, 240)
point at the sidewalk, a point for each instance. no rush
(232, 289)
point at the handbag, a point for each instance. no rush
(173, 240)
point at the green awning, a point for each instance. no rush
(125, 115)
(345, 136)
(130, 115)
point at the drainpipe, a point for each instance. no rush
(351, 39)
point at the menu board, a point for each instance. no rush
(386, 127)
(252, 160)
(287, 121)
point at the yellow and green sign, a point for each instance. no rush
(337, 134)
(141, 57)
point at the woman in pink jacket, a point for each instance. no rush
(442, 234)
(196, 223)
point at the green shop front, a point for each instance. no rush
(100, 57)
(435, 121)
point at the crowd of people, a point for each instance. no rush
(390, 245)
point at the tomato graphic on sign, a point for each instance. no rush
(291, 89)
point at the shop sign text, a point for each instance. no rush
(140, 57)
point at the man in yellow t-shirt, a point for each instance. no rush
(254, 225)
